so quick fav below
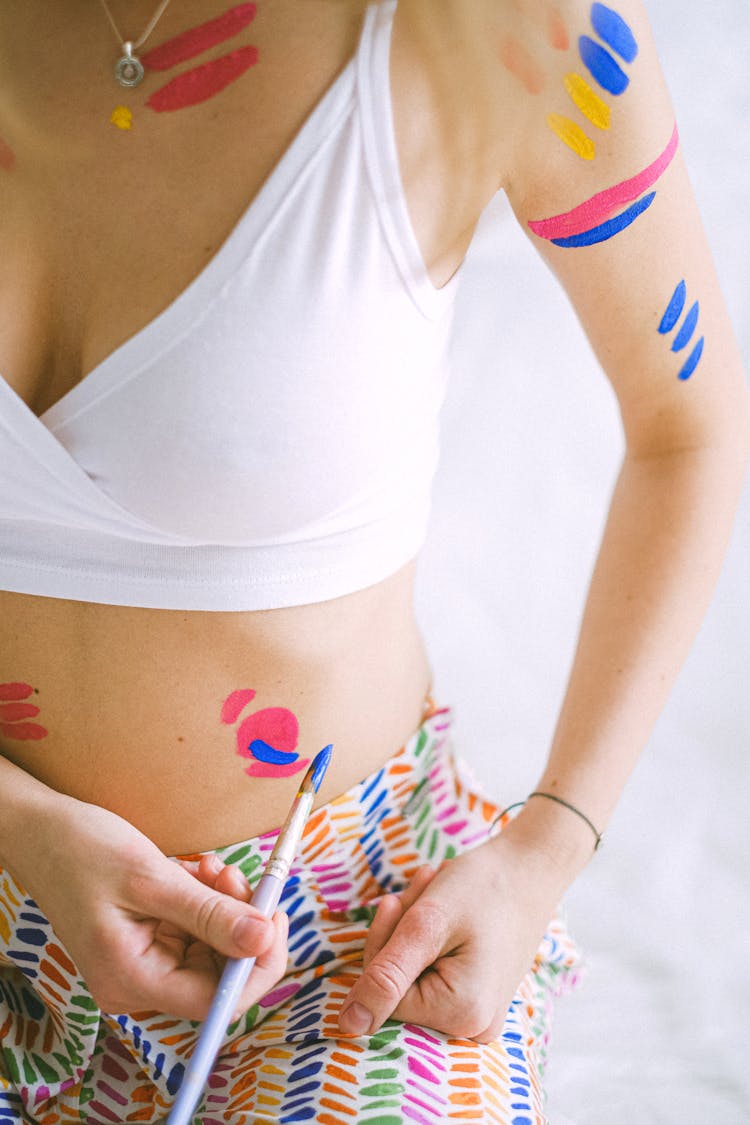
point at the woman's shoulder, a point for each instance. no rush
(550, 90)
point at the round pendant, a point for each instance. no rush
(129, 70)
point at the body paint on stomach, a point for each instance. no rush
(595, 220)
(267, 737)
(15, 713)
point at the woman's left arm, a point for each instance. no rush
(621, 231)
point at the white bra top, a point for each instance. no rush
(269, 439)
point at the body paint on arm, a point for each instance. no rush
(685, 333)
(15, 713)
(595, 220)
(267, 737)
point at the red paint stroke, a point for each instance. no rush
(516, 59)
(202, 82)
(12, 712)
(265, 769)
(16, 691)
(7, 156)
(23, 732)
(198, 39)
(234, 704)
(599, 208)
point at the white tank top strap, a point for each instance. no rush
(381, 155)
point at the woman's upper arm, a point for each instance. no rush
(597, 180)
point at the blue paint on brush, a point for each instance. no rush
(684, 336)
(673, 309)
(612, 227)
(692, 361)
(612, 28)
(602, 66)
(320, 765)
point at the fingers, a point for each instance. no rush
(187, 988)
(213, 872)
(415, 943)
(269, 968)
(210, 914)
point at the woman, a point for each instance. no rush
(226, 297)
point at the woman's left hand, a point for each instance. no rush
(448, 952)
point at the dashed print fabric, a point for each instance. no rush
(63, 1060)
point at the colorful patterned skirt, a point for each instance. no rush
(64, 1060)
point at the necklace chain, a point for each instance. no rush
(134, 45)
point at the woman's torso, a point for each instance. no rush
(131, 699)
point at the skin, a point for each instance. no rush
(352, 670)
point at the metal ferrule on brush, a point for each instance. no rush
(286, 846)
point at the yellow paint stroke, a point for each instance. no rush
(589, 103)
(572, 135)
(122, 117)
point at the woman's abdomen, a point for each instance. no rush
(197, 727)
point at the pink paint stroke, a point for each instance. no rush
(235, 703)
(16, 691)
(276, 726)
(202, 82)
(602, 205)
(199, 39)
(12, 712)
(23, 732)
(266, 769)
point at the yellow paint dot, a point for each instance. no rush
(589, 103)
(122, 117)
(572, 135)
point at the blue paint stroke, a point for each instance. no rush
(692, 361)
(265, 753)
(688, 328)
(610, 228)
(602, 66)
(612, 28)
(674, 309)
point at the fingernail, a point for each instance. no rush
(249, 931)
(355, 1020)
(214, 863)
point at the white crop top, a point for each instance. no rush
(269, 439)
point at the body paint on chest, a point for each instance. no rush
(204, 81)
(15, 713)
(7, 156)
(685, 332)
(267, 737)
(595, 220)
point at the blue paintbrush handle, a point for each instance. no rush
(236, 971)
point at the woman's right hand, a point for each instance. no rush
(144, 932)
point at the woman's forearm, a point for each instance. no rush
(665, 539)
(25, 805)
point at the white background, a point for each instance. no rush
(656, 1032)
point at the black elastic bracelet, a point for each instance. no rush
(560, 801)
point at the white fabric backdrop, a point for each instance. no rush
(656, 1032)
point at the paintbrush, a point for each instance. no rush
(265, 898)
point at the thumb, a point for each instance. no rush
(416, 942)
(223, 922)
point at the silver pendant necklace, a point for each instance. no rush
(129, 69)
